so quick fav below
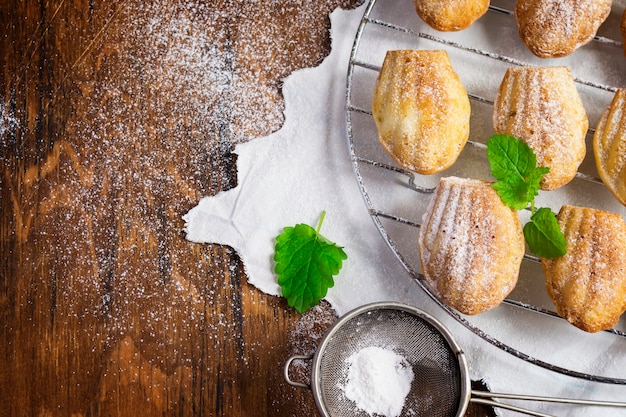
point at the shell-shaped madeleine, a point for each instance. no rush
(471, 245)
(588, 283)
(609, 146)
(449, 16)
(556, 28)
(421, 110)
(541, 106)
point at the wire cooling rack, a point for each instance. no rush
(396, 198)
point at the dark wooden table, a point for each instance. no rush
(116, 118)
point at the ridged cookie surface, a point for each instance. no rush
(541, 106)
(609, 146)
(449, 16)
(556, 28)
(471, 245)
(588, 284)
(421, 110)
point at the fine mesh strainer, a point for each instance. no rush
(441, 384)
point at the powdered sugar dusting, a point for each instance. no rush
(8, 121)
(378, 381)
(159, 99)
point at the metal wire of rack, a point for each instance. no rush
(366, 167)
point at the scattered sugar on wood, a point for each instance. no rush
(153, 114)
(306, 335)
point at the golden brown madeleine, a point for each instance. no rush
(421, 110)
(588, 284)
(452, 15)
(556, 28)
(471, 245)
(541, 106)
(609, 146)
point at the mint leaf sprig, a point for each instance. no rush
(514, 166)
(305, 264)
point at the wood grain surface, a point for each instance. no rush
(116, 118)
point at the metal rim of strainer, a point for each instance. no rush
(316, 385)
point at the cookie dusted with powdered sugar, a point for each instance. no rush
(471, 245)
(556, 28)
(588, 284)
(451, 15)
(609, 146)
(421, 110)
(541, 106)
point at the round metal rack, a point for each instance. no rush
(396, 197)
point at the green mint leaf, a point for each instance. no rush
(543, 235)
(513, 191)
(305, 264)
(509, 156)
(514, 166)
(533, 180)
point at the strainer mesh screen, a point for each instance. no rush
(436, 387)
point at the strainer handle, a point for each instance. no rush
(286, 371)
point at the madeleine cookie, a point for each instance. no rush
(609, 146)
(588, 284)
(471, 245)
(421, 110)
(556, 28)
(449, 16)
(541, 106)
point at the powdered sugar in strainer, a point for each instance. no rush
(441, 382)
